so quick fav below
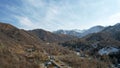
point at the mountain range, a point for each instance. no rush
(103, 43)
(32, 49)
(80, 33)
(109, 36)
(98, 47)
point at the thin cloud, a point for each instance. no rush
(61, 14)
(25, 21)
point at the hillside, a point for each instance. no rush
(104, 43)
(50, 37)
(21, 49)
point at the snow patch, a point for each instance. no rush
(108, 50)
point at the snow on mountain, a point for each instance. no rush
(108, 50)
(80, 33)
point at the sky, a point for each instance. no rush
(59, 14)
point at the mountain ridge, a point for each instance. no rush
(50, 37)
(24, 49)
(80, 33)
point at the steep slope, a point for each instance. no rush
(80, 33)
(9, 32)
(50, 37)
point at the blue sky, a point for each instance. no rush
(59, 14)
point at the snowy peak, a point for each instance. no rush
(79, 31)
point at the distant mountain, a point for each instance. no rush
(80, 33)
(94, 29)
(50, 37)
(68, 32)
(112, 29)
(109, 36)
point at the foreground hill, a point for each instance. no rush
(21, 49)
(10, 34)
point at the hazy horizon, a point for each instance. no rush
(53, 15)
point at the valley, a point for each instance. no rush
(27, 50)
(59, 33)
(43, 49)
